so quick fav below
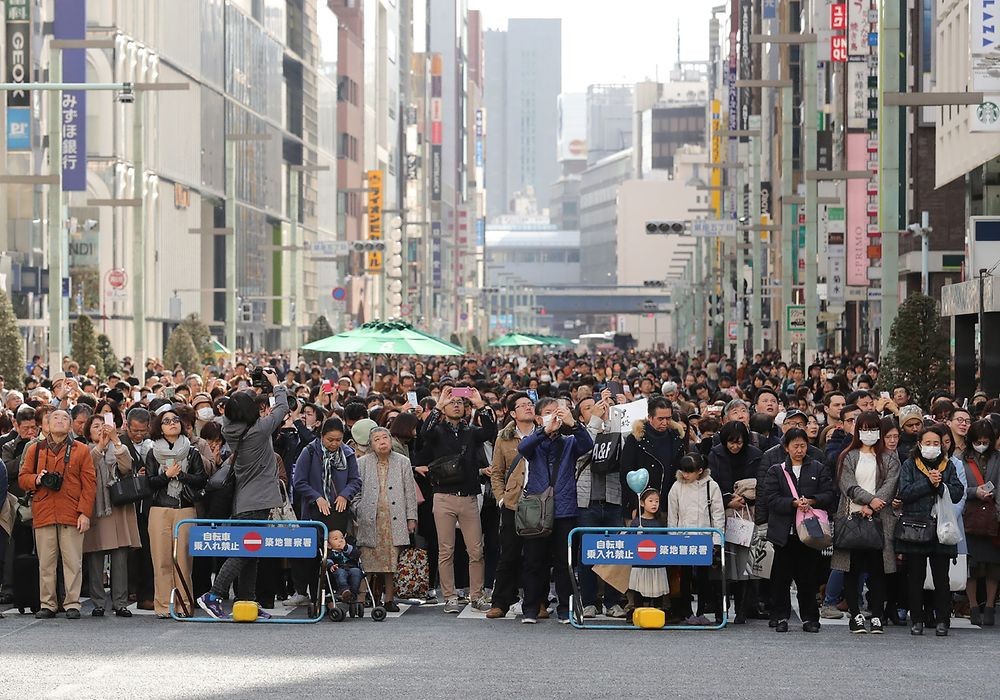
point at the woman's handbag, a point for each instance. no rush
(980, 517)
(285, 510)
(812, 526)
(447, 471)
(131, 489)
(856, 531)
(915, 529)
(535, 514)
(224, 479)
(739, 528)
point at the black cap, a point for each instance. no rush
(795, 413)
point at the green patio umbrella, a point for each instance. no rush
(218, 349)
(385, 338)
(515, 340)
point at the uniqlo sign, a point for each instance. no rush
(838, 16)
(838, 48)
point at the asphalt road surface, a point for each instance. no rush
(424, 653)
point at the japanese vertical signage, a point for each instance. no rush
(18, 71)
(858, 27)
(716, 157)
(835, 256)
(375, 218)
(437, 125)
(436, 254)
(857, 215)
(71, 23)
(857, 95)
(838, 40)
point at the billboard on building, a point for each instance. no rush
(374, 209)
(71, 23)
(857, 212)
(18, 70)
(571, 137)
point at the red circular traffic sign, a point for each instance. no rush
(646, 549)
(117, 278)
(339, 293)
(252, 541)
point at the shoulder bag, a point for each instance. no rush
(130, 489)
(447, 471)
(811, 526)
(225, 478)
(604, 457)
(856, 531)
(915, 529)
(980, 517)
(535, 514)
(285, 510)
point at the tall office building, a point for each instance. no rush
(523, 81)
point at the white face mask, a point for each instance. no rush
(821, 418)
(206, 413)
(932, 452)
(453, 373)
(980, 448)
(868, 437)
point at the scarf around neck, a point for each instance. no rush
(178, 452)
(927, 472)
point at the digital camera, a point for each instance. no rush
(53, 481)
(259, 381)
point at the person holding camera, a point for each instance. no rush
(255, 479)
(60, 473)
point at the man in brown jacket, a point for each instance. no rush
(61, 474)
(507, 480)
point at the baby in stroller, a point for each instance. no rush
(343, 561)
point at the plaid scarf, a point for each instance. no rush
(332, 462)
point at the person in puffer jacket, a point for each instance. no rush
(551, 453)
(695, 500)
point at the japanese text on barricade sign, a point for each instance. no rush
(252, 541)
(647, 550)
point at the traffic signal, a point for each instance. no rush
(653, 283)
(665, 227)
(367, 246)
(246, 312)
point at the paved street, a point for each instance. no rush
(425, 653)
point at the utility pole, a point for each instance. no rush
(809, 149)
(293, 268)
(56, 242)
(230, 247)
(891, 78)
(139, 234)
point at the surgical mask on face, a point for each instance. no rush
(546, 378)
(206, 413)
(453, 373)
(547, 419)
(930, 452)
(868, 437)
(980, 448)
(821, 418)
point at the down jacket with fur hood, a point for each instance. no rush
(660, 456)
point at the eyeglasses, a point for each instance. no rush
(524, 405)
(985, 443)
(963, 421)
(170, 421)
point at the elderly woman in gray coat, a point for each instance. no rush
(868, 474)
(386, 510)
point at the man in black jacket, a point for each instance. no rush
(655, 444)
(447, 433)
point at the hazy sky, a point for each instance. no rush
(614, 42)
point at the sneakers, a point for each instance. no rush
(73, 614)
(296, 600)
(781, 626)
(528, 620)
(44, 614)
(495, 613)
(211, 604)
(830, 612)
(876, 623)
(482, 605)
(563, 617)
(857, 624)
(431, 596)
(262, 614)
(617, 612)
(123, 612)
(810, 626)
(543, 612)
(698, 621)
(589, 612)
(453, 606)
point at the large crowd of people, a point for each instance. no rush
(459, 457)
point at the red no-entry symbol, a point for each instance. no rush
(647, 549)
(252, 541)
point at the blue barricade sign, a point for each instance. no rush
(253, 541)
(647, 550)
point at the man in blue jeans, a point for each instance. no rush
(599, 498)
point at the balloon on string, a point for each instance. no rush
(637, 480)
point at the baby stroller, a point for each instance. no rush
(338, 611)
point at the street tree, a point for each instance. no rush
(320, 329)
(201, 336)
(918, 355)
(85, 350)
(181, 351)
(11, 344)
(107, 354)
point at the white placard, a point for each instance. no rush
(624, 415)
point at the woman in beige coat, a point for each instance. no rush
(868, 475)
(114, 529)
(386, 510)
